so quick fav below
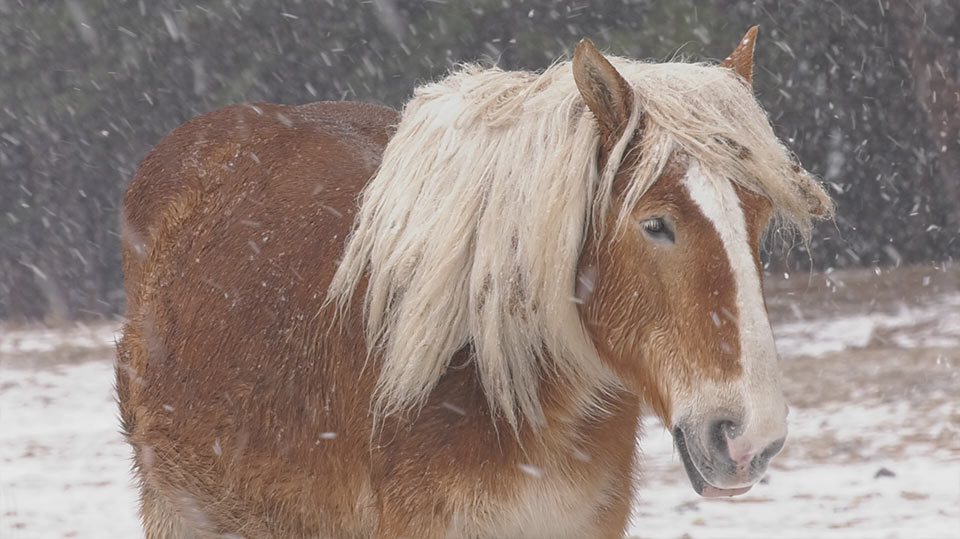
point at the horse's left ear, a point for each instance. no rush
(606, 93)
(741, 59)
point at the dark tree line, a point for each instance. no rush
(867, 94)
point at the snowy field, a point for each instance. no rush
(872, 370)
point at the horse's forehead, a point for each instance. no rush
(723, 205)
(669, 191)
(757, 210)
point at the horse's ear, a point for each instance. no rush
(603, 89)
(741, 59)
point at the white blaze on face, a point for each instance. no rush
(758, 392)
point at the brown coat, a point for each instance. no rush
(249, 417)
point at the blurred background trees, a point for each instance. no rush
(866, 93)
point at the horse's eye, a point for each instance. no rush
(658, 229)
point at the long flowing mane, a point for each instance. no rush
(470, 233)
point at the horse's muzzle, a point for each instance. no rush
(718, 461)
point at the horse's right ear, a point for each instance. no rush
(741, 59)
(603, 89)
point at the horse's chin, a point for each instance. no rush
(699, 484)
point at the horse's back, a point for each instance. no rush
(232, 231)
(326, 139)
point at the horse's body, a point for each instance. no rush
(258, 407)
(227, 384)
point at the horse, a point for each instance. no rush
(345, 321)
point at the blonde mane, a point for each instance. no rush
(471, 231)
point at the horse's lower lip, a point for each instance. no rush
(700, 484)
(714, 492)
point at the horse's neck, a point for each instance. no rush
(571, 413)
(574, 411)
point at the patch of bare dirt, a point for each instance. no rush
(862, 291)
(922, 375)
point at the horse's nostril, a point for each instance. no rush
(771, 450)
(722, 431)
(761, 459)
(731, 429)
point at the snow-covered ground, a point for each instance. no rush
(874, 447)
(64, 469)
(39, 340)
(934, 324)
(826, 491)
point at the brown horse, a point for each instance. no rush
(349, 322)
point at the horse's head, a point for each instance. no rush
(671, 288)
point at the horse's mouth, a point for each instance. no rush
(700, 485)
